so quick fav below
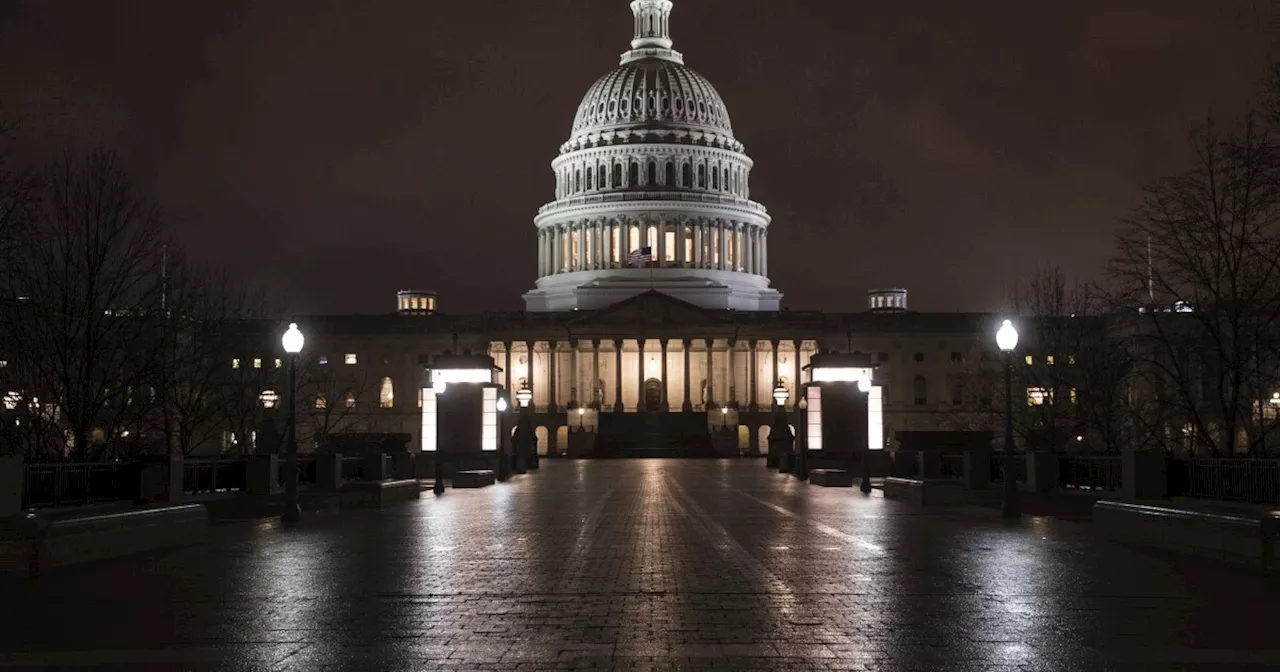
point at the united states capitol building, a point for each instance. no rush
(653, 320)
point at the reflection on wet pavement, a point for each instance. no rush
(648, 565)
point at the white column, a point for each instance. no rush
(697, 243)
(582, 246)
(764, 252)
(540, 255)
(724, 246)
(662, 244)
(680, 256)
(555, 250)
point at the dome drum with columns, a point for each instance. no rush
(652, 164)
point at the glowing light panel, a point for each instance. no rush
(461, 376)
(813, 417)
(429, 419)
(841, 375)
(875, 418)
(489, 420)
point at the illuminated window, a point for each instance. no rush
(1073, 395)
(386, 395)
(322, 361)
(11, 400)
(1030, 360)
(1071, 359)
(235, 363)
(419, 397)
(228, 440)
(351, 358)
(257, 363)
(279, 363)
(269, 398)
(321, 402)
(1049, 360)
(1038, 396)
(351, 400)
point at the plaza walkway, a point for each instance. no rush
(653, 565)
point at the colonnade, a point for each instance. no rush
(598, 244)
(671, 374)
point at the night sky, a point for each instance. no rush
(339, 150)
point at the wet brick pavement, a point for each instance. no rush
(648, 565)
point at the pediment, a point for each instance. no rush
(651, 308)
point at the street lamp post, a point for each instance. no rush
(780, 430)
(292, 512)
(1007, 340)
(525, 438)
(864, 386)
(724, 417)
(801, 470)
(504, 464)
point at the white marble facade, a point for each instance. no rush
(652, 163)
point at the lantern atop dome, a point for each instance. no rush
(652, 32)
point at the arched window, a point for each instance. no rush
(687, 178)
(725, 182)
(350, 399)
(633, 177)
(921, 391)
(653, 172)
(671, 174)
(601, 176)
(387, 394)
(577, 181)
(589, 176)
(715, 178)
(321, 402)
(617, 175)
(702, 177)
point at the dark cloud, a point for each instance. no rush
(338, 151)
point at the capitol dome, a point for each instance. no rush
(649, 92)
(652, 191)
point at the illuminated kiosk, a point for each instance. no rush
(462, 413)
(842, 415)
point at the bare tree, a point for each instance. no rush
(204, 323)
(79, 288)
(333, 399)
(1197, 272)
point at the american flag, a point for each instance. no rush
(643, 255)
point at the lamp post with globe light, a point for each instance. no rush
(525, 437)
(292, 341)
(504, 462)
(800, 469)
(864, 386)
(1007, 340)
(780, 436)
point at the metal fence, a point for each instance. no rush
(952, 466)
(210, 476)
(72, 484)
(353, 468)
(1242, 480)
(997, 467)
(1089, 473)
(306, 470)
